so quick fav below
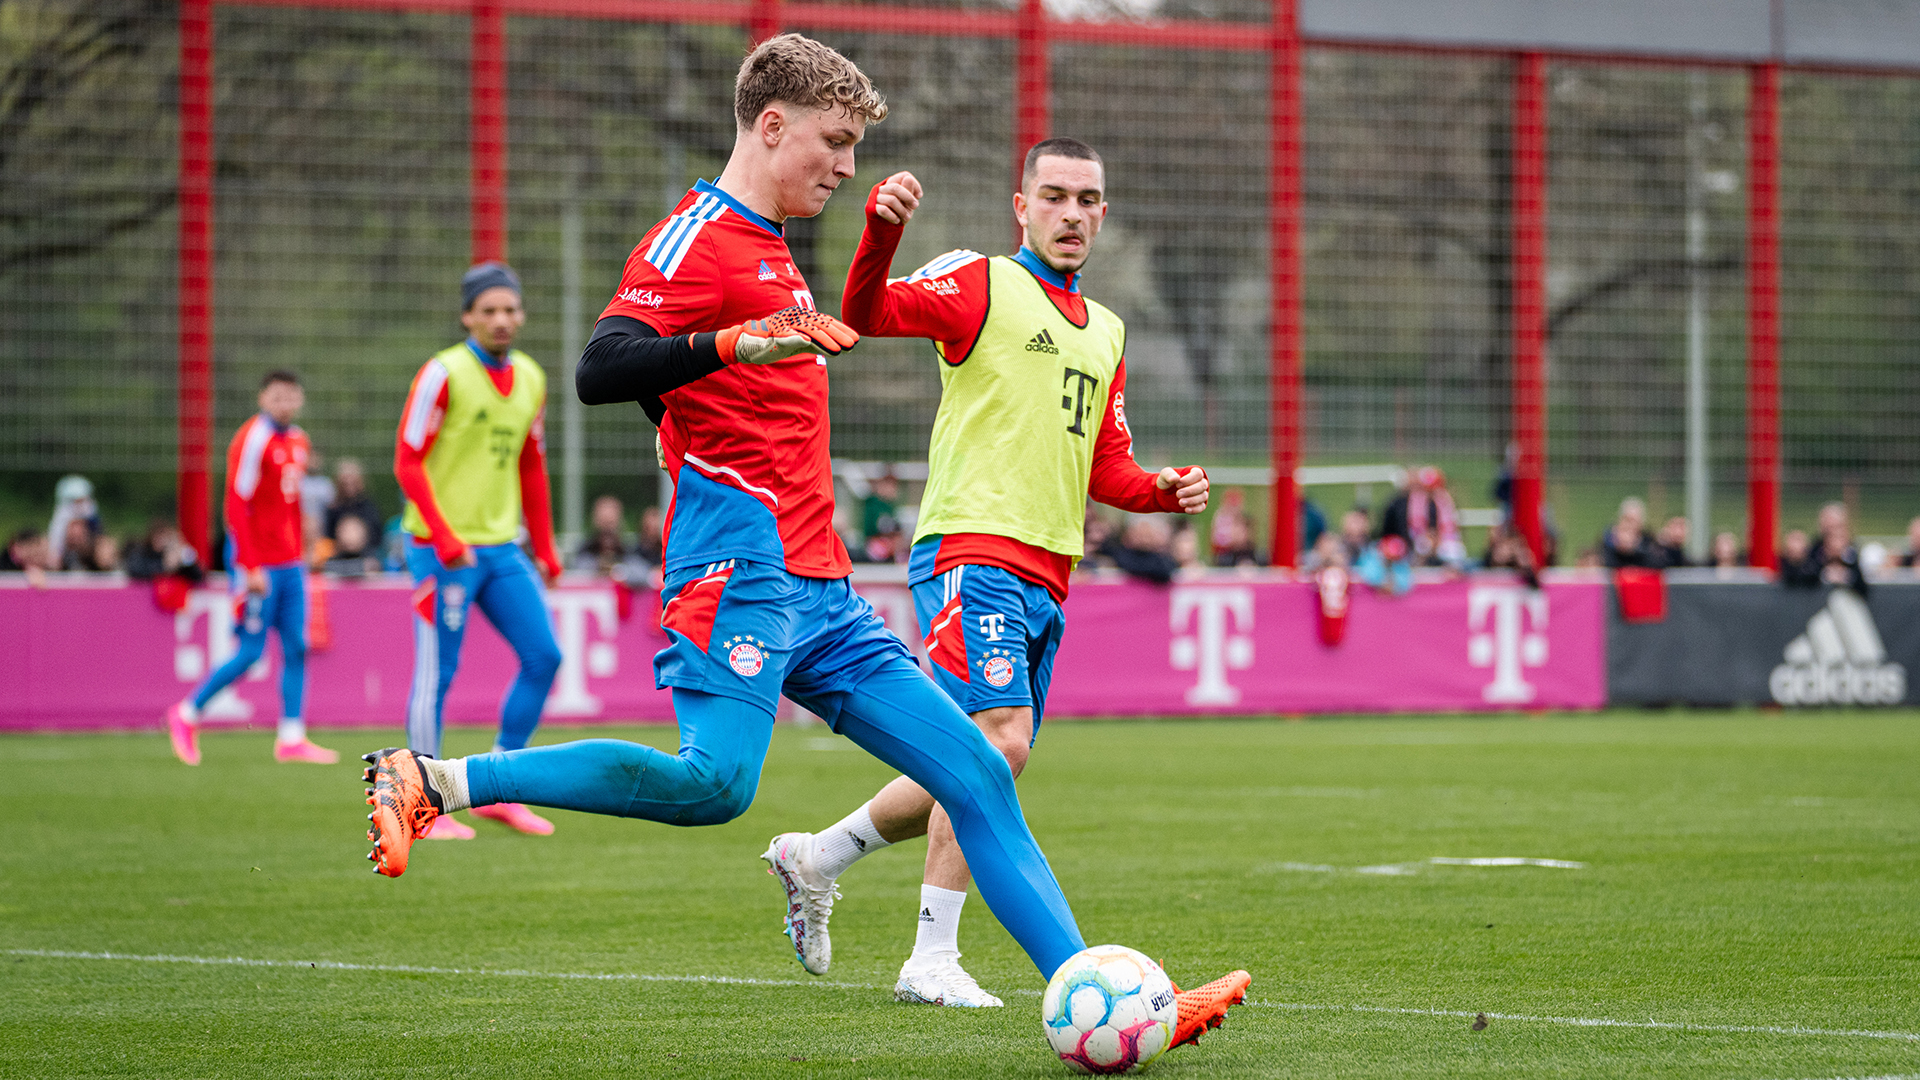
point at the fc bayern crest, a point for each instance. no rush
(746, 659)
(999, 671)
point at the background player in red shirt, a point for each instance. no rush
(713, 332)
(265, 464)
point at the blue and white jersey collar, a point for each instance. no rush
(273, 425)
(735, 205)
(1038, 268)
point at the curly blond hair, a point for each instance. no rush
(801, 71)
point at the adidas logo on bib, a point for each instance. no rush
(1043, 342)
(1840, 660)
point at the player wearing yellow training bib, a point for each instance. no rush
(471, 457)
(1032, 420)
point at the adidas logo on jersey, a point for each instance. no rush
(1840, 660)
(1043, 342)
(766, 272)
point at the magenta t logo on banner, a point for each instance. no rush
(1507, 646)
(191, 661)
(1211, 649)
(575, 613)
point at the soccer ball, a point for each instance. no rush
(1109, 1009)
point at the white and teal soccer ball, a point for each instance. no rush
(1109, 1009)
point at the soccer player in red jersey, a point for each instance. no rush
(265, 464)
(713, 332)
(1032, 420)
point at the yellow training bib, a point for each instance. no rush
(1013, 442)
(474, 463)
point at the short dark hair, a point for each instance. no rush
(279, 375)
(1059, 146)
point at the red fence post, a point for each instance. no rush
(1529, 296)
(487, 146)
(1763, 314)
(1032, 109)
(196, 275)
(764, 21)
(1284, 201)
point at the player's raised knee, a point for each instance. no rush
(542, 661)
(724, 804)
(1010, 730)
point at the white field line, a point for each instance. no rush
(1586, 1021)
(411, 969)
(1406, 868)
(1900, 1076)
(732, 980)
(1508, 860)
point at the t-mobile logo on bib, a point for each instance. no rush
(1507, 631)
(1212, 648)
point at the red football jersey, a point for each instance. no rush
(265, 464)
(746, 445)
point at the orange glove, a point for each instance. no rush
(787, 332)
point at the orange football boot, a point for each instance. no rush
(404, 803)
(1204, 1008)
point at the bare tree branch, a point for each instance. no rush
(1626, 277)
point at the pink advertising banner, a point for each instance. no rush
(83, 655)
(1252, 646)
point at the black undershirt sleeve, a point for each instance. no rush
(627, 360)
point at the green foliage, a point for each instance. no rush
(1744, 871)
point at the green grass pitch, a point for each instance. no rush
(1749, 908)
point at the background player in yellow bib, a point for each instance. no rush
(471, 457)
(1032, 418)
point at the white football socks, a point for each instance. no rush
(449, 778)
(939, 933)
(188, 710)
(292, 730)
(851, 838)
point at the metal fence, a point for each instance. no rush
(342, 210)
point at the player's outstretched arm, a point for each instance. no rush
(419, 427)
(1119, 481)
(894, 199)
(948, 306)
(626, 359)
(536, 499)
(239, 503)
(1189, 487)
(787, 332)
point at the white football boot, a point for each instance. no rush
(940, 980)
(810, 899)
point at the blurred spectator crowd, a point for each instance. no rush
(348, 535)
(1829, 555)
